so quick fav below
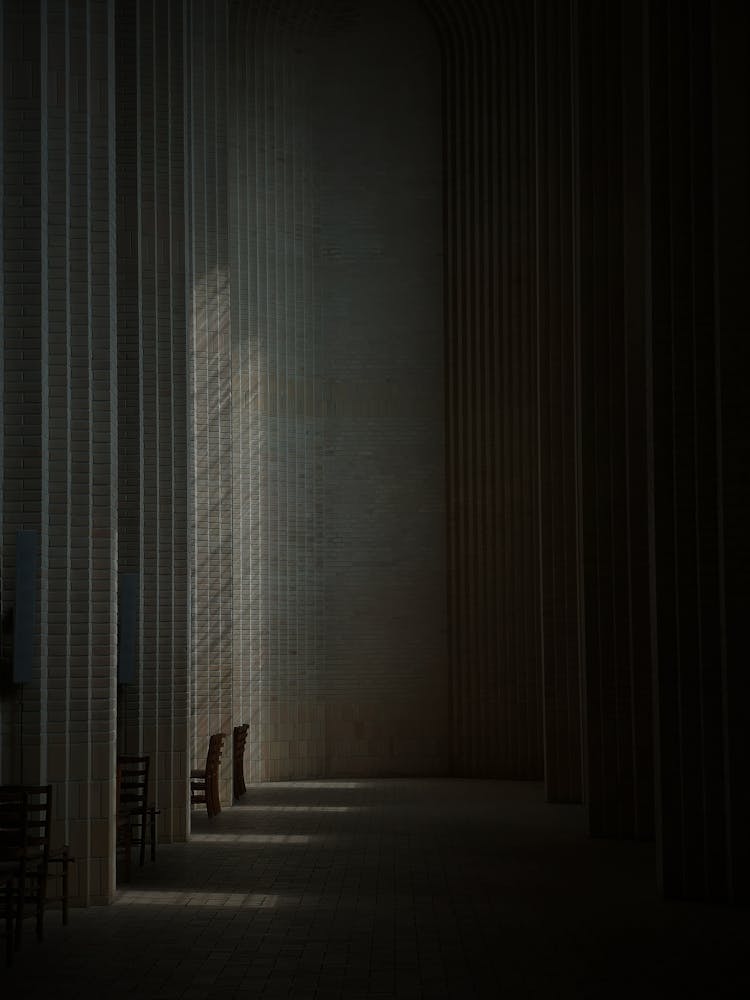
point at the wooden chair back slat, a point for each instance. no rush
(132, 796)
(25, 815)
(239, 739)
(13, 822)
(28, 805)
(204, 785)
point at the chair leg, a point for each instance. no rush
(65, 886)
(127, 850)
(9, 933)
(152, 828)
(142, 860)
(215, 792)
(41, 899)
(19, 909)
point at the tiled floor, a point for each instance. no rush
(355, 889)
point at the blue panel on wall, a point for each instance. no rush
(27, 554)
(128, 613)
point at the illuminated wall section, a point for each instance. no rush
(210, 375)
(318, 388)
(277, 440)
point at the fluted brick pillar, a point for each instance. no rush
(60, 411)
(152, 360)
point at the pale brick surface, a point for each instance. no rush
(152, 713)
(210, 387)
(93, 394)
(318, 558)
(59, 403)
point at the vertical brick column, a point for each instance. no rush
(60, 392)
(60, 422)
(558, 359)
(614, 399)
(211, 386)
(382, 673)
(6, 703)
(698, 216)
(25, 354)
(152, 428)
(491, 380)
(730, 27)
(102, 345)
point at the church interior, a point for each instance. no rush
(374, 376)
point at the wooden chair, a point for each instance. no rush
(35, 801)
(13, 861)
(133, 802)
(239, 738)
(204, 784)
(40, 864)
(34, 891)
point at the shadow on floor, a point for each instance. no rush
(391, 888)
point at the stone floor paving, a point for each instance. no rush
(390, 888)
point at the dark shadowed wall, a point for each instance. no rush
(594, 234)
(491, 409)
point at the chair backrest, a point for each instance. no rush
(40, 815)
(25, 813)
(133, 783)
(14, 818)
(240, 738)
(215, 746)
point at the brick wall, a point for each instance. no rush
(211, 385)
(152, 392)
(333, 559)
(376, 119)
(60, 412)
(93, 415)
